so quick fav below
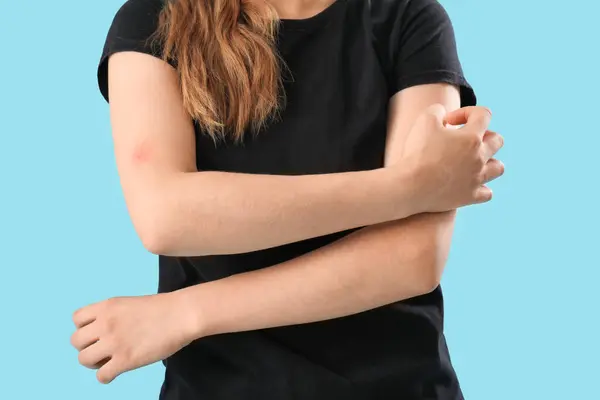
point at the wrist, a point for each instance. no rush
(188, 307)
(402, 190)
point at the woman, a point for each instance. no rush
(296, 166)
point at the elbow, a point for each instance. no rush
(155, 226)
(155, 242)
(159, 218)
(155, 235)
(164, 233)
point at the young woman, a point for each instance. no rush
(296, 166)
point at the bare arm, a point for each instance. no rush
(372, 267)
(177, 210)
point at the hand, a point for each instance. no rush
(122, 334)
(451, 165)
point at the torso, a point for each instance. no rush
(335, 120)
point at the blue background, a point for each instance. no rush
(521, 285)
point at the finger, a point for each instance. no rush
(84, 337)
(492, 170)
(492, 143)
(93, 355)
(84, 316)
(475, 117)
(462, 115)
(483, 194)
(108, 372)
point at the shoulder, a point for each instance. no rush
(135, 20)
(394, 22)
(390, 12)
(132, 29)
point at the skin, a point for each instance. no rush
(408, 207)
(167, 197)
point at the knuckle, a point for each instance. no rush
(480, 122)
(473, 140)
(494, 142)
(77, 316)
(480, 161)
(485, 112)
(110, 325)
(480, 179)
(110, 303)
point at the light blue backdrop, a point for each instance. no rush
(521, 287)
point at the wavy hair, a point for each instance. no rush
(228, 65)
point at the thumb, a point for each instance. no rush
(475, 117)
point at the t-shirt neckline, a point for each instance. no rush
(311, 22)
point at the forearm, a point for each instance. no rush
(224, 213)
(370, 268)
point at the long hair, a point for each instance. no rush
(228, 65)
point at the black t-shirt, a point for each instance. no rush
(346, 63)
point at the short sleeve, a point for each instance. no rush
(423, 49)
(132, 29)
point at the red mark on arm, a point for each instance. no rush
(142, 153)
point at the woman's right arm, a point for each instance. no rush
(179, 211)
